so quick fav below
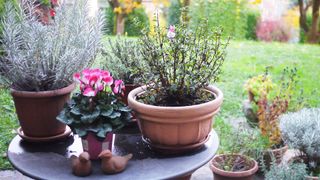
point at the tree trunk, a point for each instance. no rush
(185, 11)
(303, 16)
(313, 36)
(120, 24)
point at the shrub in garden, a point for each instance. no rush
(270, 101)
(174, 12)
(300, 130)
(134, 23)
(272, 31)
(252, 21)
(230, 15)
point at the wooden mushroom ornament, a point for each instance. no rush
(81, 166)
(113, 164)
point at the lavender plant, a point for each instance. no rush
(180, 63)
(42, 57)
(300, 130)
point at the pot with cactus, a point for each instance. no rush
(268, 101)
(96, 112)
(39, 61)
(176, 107)
(300, 130)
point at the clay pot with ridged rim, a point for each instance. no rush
(37, 111)
(220, 174)
(175, 130)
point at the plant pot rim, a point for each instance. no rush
(139, 90)
(221, 172)
(42, 94)
(283, 148)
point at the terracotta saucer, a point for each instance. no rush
(175, 149)
(63, 135)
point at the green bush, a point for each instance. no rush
(228, 14)
(174, 13)
(134, 22)
(252, 20)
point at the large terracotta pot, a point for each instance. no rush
(37, 111)
(95, 146)
(220, 174)
(176, 129)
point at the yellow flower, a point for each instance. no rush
(117, 10)
(256, 2)
(136, 5)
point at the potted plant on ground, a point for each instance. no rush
(268, 102)
(39, 61)
(300, 130)
(235, 159)
(175, 108)
(291, 171)
(97, 111)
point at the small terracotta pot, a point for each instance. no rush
(220, 174)
(94, 146)
(182, 128)
(276, 153)
(37, 111)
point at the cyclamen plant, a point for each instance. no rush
(97, 108)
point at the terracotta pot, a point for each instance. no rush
(312, 178)
(277, 154)
(37, 111)
(129, 88)
(178, 129)
(95, 146)
(220, 174)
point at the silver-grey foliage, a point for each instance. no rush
(287, 172)
(301, 130)
(42, 57)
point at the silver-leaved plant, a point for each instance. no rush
(40, 57)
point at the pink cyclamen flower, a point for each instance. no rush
(118, 86)
(171, 32)
(76, 77)
(89, 92)
(108, 80)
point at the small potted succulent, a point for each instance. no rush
(176, 106)
(122, 58)
(97, 111)
(39, 61)
(300, 130)
(267, 102)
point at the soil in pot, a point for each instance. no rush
(233, 166)
(37, 111)
(175, 129)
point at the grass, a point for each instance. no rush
(8, 124)
(245, 59)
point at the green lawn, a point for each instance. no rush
(245, 59)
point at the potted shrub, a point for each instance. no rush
(39, 61)
(235, 159)
(96, 111)
(300, 130)
(268, 102)
(122, 58)
(175, 108)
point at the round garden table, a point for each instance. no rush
(51, 160)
